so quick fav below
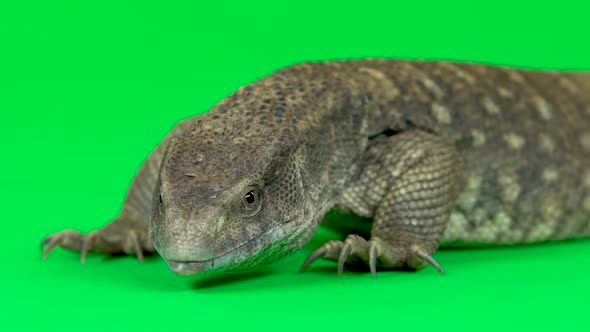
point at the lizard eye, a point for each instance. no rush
(251, 201)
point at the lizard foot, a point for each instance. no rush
(373, 252)
(107, 240)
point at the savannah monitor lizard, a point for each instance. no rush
(433, 152)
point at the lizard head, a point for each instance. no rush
(225, 201)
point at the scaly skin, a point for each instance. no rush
(432, 151)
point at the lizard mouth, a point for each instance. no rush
(190, 267)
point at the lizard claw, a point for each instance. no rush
(128, 241)
(89, 242)
(320, 252)
(344, 254)
(136, 246)
(48, 245)
(374, 252)
(428, 258)
(69, 239)
(348, 251)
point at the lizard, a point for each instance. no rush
(433, 152)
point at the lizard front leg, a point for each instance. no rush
(408, 183)
(128, 233)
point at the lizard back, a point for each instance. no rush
(524, 135)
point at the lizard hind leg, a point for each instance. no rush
(409, 182)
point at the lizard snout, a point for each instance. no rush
(186, 244)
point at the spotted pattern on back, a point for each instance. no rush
(523, 135)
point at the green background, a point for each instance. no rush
(88, 88)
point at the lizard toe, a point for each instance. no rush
(106, 240)
(136, 246)
(328, 250)
(87, 244)
(68, 239)
(394, 254)
(351, 250)
(375, 252)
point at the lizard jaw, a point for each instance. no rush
(224, 261)
(191, 267)
(187, 268)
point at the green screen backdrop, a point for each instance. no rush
(88, 88)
